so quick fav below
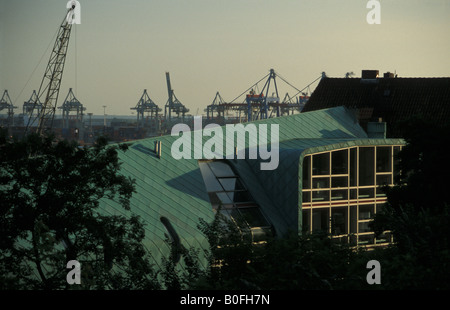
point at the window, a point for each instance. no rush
(339, 221)
(321, 182)
(306, 223)
(396, 163)
(353, 219)
(353, 167)
(384, 179)
(366, 212)
(366, 166)
(321, 164)
(306, 196)
(321, 195)
(307, 172)
(364, 227)
(320, 219)
(344, 189)
(339, 182)
(223, 186)
(366, 193)
(340, 194)
(231, 184)
(253, 216)
(228, 194)
(384, 159)
(366, 239)
(339, 162)
(220, 169)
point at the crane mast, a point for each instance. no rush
(170, 91)
(51, 81)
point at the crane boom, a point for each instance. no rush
(51, 81)
(170, 91)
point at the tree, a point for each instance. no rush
(418, 210)
(230, 256)
(292, 262)
(49, 214)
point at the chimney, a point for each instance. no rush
(369, 74)
(388, 75)
(376, 130)
(158, 148)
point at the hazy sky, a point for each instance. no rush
(123, 47)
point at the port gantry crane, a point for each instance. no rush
(146, 104)
(263, 106)
(173, 104)
(51, 81)
(260, 105)
(31, 105)
(6, 103)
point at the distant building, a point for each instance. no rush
(329, 178)
(390, 98)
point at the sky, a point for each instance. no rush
(208, 46)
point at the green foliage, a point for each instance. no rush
(49, 215)
(418, 210)
(290, 263)
(228, 256)
(424, 167)
(175, 277)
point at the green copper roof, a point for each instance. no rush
(168, 188)
(175, 189)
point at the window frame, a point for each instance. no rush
(357, 194)
(235, 209)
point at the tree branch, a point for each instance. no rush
(37, 259)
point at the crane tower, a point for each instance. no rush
(6, 103)
(173, 104)
(51, 81)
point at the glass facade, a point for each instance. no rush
(230, 197)
(342, 190)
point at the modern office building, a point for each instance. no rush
(342, 189)
(329, 176)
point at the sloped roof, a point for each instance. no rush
(168, 188)
(392, 99)
(175, 189)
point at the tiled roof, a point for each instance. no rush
(392, 99)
